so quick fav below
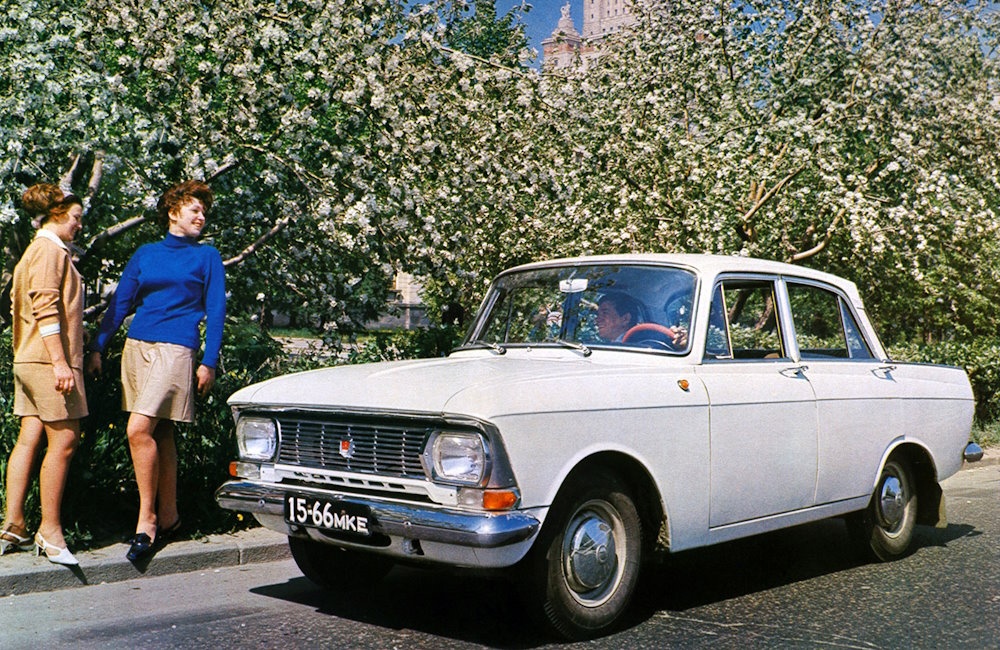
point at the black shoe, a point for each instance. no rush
(141, 547)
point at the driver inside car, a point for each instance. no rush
(617, 313)
(619, 320)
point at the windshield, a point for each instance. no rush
(594, 305)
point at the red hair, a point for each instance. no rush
(180, 194)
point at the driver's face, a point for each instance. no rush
(610, 324)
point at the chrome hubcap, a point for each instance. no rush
(590, 555)
(892, 501)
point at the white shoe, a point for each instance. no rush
(54, 554)
(11, 541)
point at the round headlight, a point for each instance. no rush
(458, 457)
(257, 438)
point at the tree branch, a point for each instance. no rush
(229, 166)
(115, 230)
(818, 248)
(249, 250)
(96, 173)
(93, 311)
(771, 192)
(66, 182)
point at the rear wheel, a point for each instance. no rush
(884, 530)
(585, 567)
(336, 568)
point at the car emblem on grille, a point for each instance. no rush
(347, 448)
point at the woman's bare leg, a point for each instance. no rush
(20, 467)
(63, 437)
(166, 492)
(145, 460)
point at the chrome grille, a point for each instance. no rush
(377, 446)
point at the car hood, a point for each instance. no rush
(474, 385)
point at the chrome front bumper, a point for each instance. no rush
(471, 529)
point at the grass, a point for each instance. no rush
(293, 333)
(987, 435)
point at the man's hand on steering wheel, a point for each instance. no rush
(676, 337)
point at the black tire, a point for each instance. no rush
(585, 566)
(884, 530)
(335, 568)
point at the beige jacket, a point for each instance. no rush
(47, 290)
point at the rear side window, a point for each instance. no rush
(825, 327)
(743, 323)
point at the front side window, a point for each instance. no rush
(634, 306)
(825, 328)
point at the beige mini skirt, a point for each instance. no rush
(158, 380)
(35, 394)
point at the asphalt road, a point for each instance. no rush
(798, 588)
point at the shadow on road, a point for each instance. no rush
(474, 609)
(488, 611)
(708, 575)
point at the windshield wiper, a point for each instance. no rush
(579, 347)
(496, 348)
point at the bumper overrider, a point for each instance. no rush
(475, 530)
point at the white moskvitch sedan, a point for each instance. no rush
(601, 409)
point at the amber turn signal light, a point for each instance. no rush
(499, 499)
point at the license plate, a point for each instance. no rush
(328, 515)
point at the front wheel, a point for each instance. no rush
(884, 530)
(585, 566)
(336, 568)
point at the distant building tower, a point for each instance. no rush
(566, 47)
(562, 49)
(603, 17)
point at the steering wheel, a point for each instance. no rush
(651, 333)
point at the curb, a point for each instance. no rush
(23, 573)
(991, 456)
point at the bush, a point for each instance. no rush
(980, 357)
(405, 344)
(101, 498)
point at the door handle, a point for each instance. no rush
(795, 371)
(885, 372)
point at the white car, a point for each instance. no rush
(601, 409)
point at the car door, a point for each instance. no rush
(763, 430)
(857, 395)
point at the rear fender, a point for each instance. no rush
(930, 497)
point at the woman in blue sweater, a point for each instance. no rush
(171, 286)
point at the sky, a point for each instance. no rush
(540, 22)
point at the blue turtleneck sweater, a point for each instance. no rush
(171, 285)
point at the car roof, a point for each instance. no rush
(709, 265)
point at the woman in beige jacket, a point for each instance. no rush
(47, 310)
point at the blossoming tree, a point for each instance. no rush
(348, 139)
(858, 137)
